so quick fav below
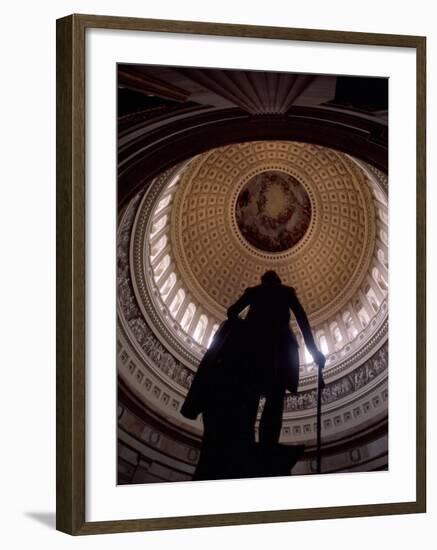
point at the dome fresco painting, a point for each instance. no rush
(273, 211)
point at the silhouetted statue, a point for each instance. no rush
(220, 392)
(273, 348)
(249, 358)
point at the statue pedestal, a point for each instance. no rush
(236, 461)
(277, 460)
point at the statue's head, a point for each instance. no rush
(271, 278)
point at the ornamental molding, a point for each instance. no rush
(343, 414)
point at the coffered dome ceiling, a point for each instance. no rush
(303, 210)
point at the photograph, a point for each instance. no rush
(218, 275)
(252, 274)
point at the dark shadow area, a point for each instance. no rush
(250, 358)
(46, 518)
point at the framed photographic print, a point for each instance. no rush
(240, 274)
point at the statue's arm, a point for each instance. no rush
(304, 325)
(239, 305)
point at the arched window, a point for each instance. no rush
(379, 195)
(323, 342)
(349, 324)
(188, 316)
(379, 279)
(158, 246)
(168, 285)
(158, 224)
(363, 316)
(214, 330)
(163, 203)
(338, 338)
(383, 216)
(174, 181)
(382, 258)
(199, 331)
(373, 299)
(177, 302)
(162, 266)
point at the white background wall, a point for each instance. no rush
(27, 301)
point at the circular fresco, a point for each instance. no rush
(273, 211)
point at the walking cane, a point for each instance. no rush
(320, 386)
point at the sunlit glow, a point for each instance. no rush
(162, 266)
(188, 316)
(307, 355)
(158, 246)
(159, 224)
(163, 203)
(168, 285)
(177, 302)
(214, 330)
(199, 331)
(324, 344)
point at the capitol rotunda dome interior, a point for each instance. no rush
(195, 237)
